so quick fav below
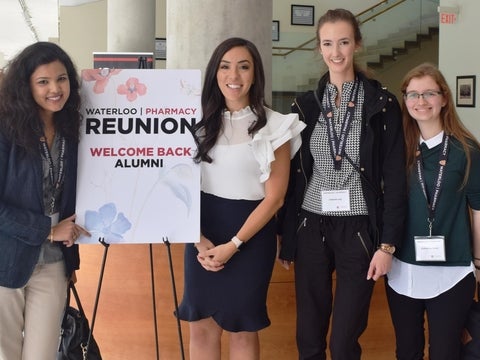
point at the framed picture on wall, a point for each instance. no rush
(303, 15)
(466, 91)
(275, 30)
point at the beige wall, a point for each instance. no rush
(83, 31)
(459, 54)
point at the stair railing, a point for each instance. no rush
(375, 9)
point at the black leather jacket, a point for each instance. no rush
(382, 166)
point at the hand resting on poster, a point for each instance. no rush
(67, 231)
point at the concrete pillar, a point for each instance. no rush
(195, 28)
(131, 25)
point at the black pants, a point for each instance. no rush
(446, 315)
(325, 245)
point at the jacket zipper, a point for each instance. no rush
(363, 244)
(303, 223)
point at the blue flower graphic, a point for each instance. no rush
(107, 223)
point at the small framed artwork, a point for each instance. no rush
(160, 48)
(466, 91)
(275, 30)
(303, 15)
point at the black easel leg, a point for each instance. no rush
(179, 327)
(99, 287)
(154, 302)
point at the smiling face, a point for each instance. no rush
(425, 112)
(337, 46)
(50, 88)
(235, 76)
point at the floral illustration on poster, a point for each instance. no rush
(137, 181)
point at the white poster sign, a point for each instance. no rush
(137, 182)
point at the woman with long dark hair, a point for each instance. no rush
(244, 149)
(39, 132)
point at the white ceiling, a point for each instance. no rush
(23, 22)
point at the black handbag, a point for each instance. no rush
(471, 336)
(76, 337)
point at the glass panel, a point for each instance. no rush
(386, 27)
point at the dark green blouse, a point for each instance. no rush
(452, 217)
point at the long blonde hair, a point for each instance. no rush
(451, 123)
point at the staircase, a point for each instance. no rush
(397, 35)
(389, 50)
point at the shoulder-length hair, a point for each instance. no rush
(451, 123)
(213, 101)
(19, 113)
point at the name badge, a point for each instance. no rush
(430, 248)
(336, 200)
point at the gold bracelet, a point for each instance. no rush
(51, 235)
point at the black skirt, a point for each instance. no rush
(235, 297)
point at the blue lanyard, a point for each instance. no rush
(442, 162)
(338, 143)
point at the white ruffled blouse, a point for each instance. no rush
(241, 164)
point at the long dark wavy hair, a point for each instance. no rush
(213, 101)
(19, 113)
(451, 123)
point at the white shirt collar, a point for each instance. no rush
(434, 141)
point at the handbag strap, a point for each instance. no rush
(71, 288)
(77, 298)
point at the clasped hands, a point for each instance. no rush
(214, 258)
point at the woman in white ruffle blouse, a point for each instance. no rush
(244, 149)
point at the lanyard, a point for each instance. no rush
(61, 166)
(338, 144)
(432, 203)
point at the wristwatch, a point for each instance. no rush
(387, 248)
(237, 241)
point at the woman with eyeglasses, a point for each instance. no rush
(433, 272)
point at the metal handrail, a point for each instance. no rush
(371, 8)
(302, 47)
(382, 11)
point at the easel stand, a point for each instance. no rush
(175, 300)
(97, 297)
(99, 287)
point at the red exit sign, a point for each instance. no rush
(447, 18)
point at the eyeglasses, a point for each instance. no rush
(427, 95)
